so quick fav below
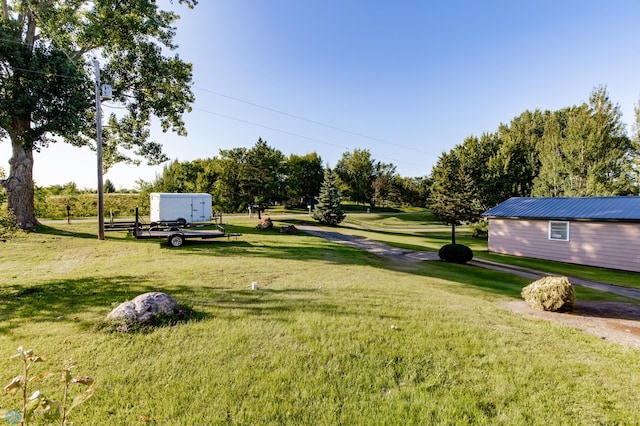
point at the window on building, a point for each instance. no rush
(559, 231)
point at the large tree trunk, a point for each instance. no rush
(19, 186)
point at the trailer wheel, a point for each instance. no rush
(176, 240)
(181, 222)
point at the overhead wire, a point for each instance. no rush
(297, 117)
(286, 132)
(329, 126)
(270, 128)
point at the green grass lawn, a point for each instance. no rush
(333, 336)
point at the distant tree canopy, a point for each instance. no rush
(304, 175)
(357, 173)
(577, 151)
(239, 177)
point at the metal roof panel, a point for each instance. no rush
(568, 208)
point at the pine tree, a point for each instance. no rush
(328, 210)
(453, 194)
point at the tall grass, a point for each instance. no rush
(333, 336)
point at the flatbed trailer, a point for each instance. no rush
(176, 235)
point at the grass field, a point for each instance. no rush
(333, 335)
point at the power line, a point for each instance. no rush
(319, 123)
(291, 133)
(270, 128)
(69, 77)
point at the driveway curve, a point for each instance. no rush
(405, 255)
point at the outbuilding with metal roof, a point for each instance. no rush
(594, 231)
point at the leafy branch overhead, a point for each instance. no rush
(47, 82)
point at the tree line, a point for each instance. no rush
(577, 151)
(263, 175)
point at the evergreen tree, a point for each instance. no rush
(109, 187)
(453, 194)
(328, 210)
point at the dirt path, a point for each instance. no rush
(375, 247)
(617, 322)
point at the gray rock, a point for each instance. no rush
(144, 307)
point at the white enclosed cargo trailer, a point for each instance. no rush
(180, 208)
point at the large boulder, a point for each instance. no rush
(555, 294)
(289, 230)
(265, 223)
(145, 307)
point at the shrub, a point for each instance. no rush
(480, 229)
(8, 223)
(86, 205)
(457, 253)
(554, 294)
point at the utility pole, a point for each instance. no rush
(96, 65)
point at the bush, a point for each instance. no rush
(554, 294)
(480, 229)
(457, 253)
(8, 223)
(86, 205)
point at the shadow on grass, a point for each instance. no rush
(71, 300)
(487, 280)
(49, 301)
(66, 299)
(272, 304)
(320, 250)
(49, 230)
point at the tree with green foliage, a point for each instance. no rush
(515, 164)
(585, 151)
(476, 154)
(357, 172)
(262, 175)
(453, 193)
(178, 176)
(304, 177)
(47, 90)
(227, 192)
(109, 187)
(383, 182)
(413, 191)
(329, 210)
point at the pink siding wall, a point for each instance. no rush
(604, 244)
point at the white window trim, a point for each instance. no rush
(555, 222)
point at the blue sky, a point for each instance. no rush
(405, 79)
